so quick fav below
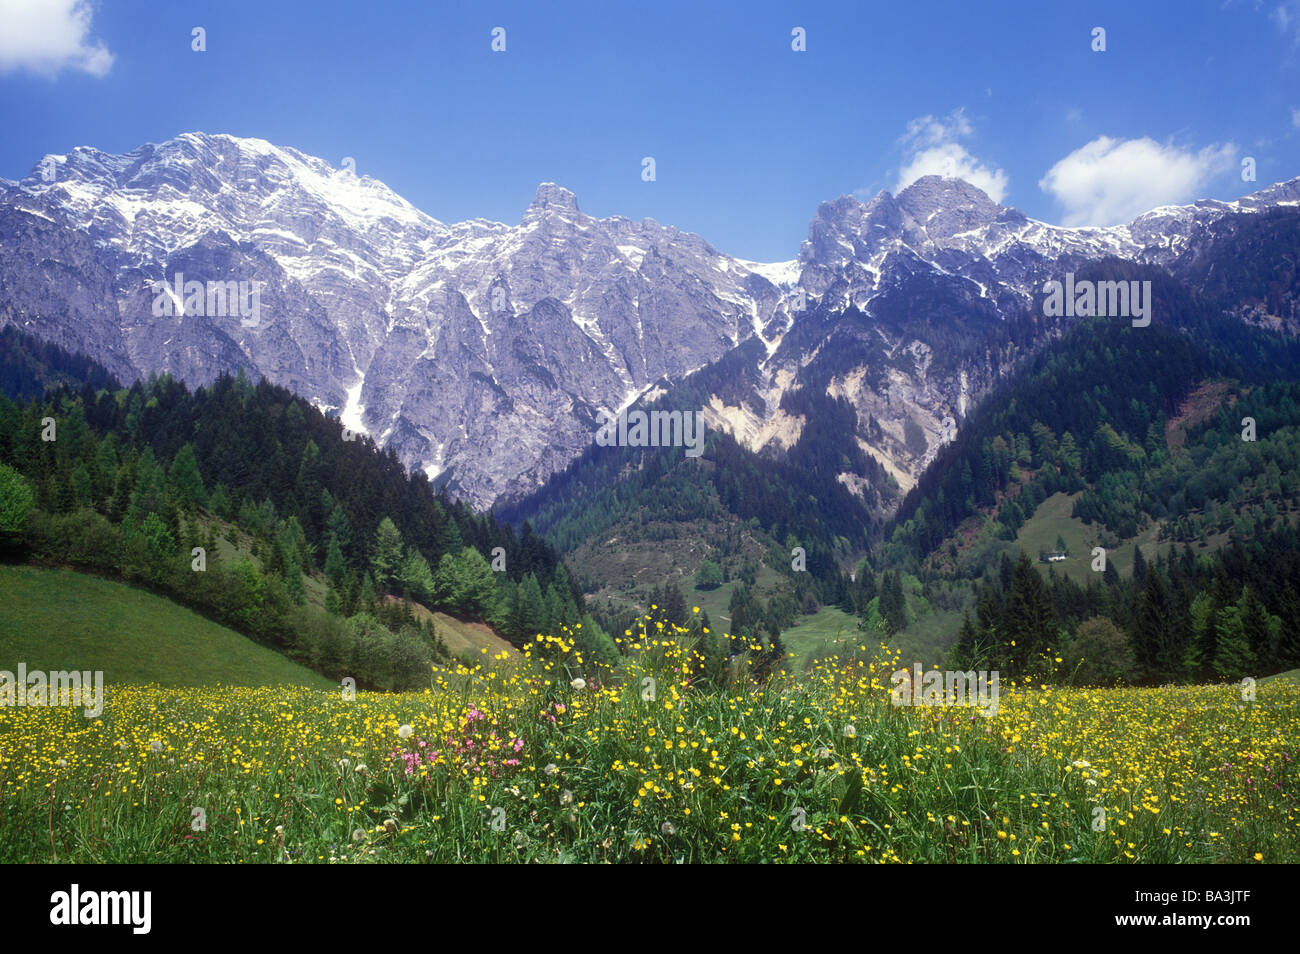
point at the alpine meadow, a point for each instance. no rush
(928, 493)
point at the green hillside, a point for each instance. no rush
(1053, 520)
(62, 620)
(829, 630)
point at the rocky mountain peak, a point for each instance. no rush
(945, 206)
(554, 198)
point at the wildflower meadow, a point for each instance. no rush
(545, 758)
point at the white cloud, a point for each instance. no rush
(48, 36)
(1295, 118)
(1110, 181)
(930, 147)
(1287, 17)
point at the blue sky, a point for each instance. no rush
(748, 136)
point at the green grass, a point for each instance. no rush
(827, 630)
(1291, 676)
(1052, 519)
(818, 768)
(714, 602)
(64, 620)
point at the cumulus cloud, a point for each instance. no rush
(931, 147)
(49, 36)
(1110, 181)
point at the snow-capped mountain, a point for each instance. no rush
(482, 352)
(937, 271)
(477, 348)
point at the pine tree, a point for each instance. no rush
(1070, 457)
(333, 604)
(16, 499)
(500, 616)
(366, 599)
(307, 487)
(554, 610)
(106, 464)
(293, 581)
(416, 577)
(674, 605)
(219, 503)
(150, 493)
(1288, 650)
(349, 592)
(1234, 658)
(451, 540)
(1205, 634)
(1139, 566)
(83, 490)
(184, 481)
(335, 567)
(386, 555)
(1255, 623)
(1155, 640)
(963, 653)
(293, 543)
(533, 608)
(1029, 617)
(338, 527)
(893, 604)
(477, 582)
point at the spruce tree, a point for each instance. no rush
(1255, 623)
(386, 555)
(293, 581)
(963, 653)
(366, 599)
(335, 567)
(416, 577)
(1234, 658)
(1155, 641)
(1029, 617)
(338, 527)
(184, 481)
(1139, 566)
(150, 491)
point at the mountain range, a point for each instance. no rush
(482, 353)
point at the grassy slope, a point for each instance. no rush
(61, 619)
(828, 629)
(714, 602)
(1052, 518)
(462, 637)
(928, 637)
(1289, 676)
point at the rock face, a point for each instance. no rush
(482, 352)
